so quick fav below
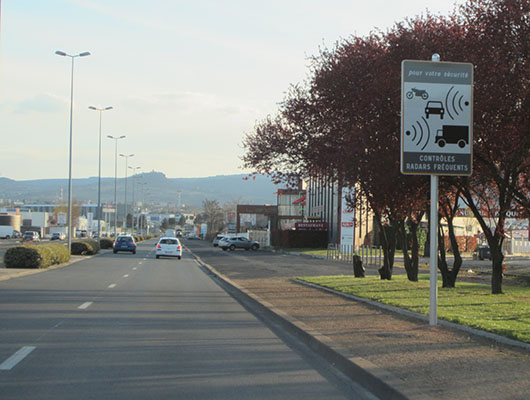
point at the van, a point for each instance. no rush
(170, 233)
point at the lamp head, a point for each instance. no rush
(84, 54)
(60, 53)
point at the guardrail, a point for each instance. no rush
(370, 255)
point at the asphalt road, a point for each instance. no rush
(132, 327)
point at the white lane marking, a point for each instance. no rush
(126, 275)
(84, 306)
(140, 263)
(16, 358)
(112, 285)
(134, 268)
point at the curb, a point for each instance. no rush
(378, 381)
(478, 332)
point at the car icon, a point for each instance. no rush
(434, 107)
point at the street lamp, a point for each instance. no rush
(126, 160)
(99, 164)
(133, 207)
(69, 217)
(115, 180)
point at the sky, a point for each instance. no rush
(187, 79)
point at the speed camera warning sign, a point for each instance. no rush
(436, 118)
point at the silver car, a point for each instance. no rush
(238, 242)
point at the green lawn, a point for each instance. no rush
(319, 252)
(468, 304)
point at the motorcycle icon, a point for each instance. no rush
(418, 93)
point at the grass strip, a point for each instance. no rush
(470, 304)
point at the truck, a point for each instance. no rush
(454, 134)
(6, 231)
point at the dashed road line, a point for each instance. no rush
(84, 306)
(16, 358)
(112, 285)
(126, 275)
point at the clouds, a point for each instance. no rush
(41, 103)
(187, 79)
(186, 103)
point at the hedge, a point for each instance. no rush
(106, 243)
(35, 256)
(60, 251)
(85, 248)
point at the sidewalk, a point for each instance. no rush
(418, 361)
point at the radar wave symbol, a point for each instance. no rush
(422, 132)
(453, 103)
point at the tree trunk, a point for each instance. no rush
(496, 276)
(412, 274)
(358, 269)
(447, 281)
(415, 257)
(456, 253)
(388, 241)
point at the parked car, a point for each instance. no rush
(58, 236)
(238, 242)
(124, 243)
(169, 246)
(192, 236)
(217, 239)
(482, 252)
(31, 236)
(16, 234)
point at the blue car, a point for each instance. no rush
(124, 243)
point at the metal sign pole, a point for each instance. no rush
(433, 255)
(433, 304)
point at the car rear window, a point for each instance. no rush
(169, 241)
(125, 239)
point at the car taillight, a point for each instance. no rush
(158, 246)
(132, 243)
(115, 243)
(178, 247)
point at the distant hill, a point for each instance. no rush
(158, 188)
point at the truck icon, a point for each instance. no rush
(455, 134)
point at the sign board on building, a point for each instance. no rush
(436, 118)
(311, 226)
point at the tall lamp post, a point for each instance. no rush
(126, 161)
(99, 166)
(69, 217)
(115, 180)
(133, 207)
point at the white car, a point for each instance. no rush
(169, 247)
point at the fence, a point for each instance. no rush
(520, 246)
(262, 237)
(370, 255)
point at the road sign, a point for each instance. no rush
(436, 118)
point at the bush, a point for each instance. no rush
(60, 253)
(85, 248)
(106, 243)
(29, 256)
(22, 257)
